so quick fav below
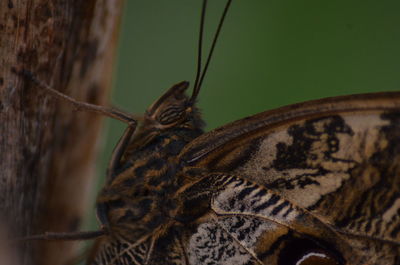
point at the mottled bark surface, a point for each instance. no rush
(47, 149)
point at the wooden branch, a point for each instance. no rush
(47, 150)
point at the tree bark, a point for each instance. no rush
(47, 150)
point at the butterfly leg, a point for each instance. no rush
(82, 235)
(79, 105)
(107, 111)
(119, 150)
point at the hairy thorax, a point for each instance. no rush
(141, 199)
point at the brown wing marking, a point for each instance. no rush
(251, 225)
(343, 167)
(199, 149)
(275, 221)
(241, 197)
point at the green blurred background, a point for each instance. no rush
(270, 53)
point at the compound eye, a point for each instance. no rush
(171, 115)
(308, 252)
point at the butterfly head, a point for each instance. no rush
(173, 109)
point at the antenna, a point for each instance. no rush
(201, 74)
(200, 43)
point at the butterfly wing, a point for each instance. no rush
(338, 159)
(319, 178)
(249, 224)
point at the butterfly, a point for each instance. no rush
(311, 183)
